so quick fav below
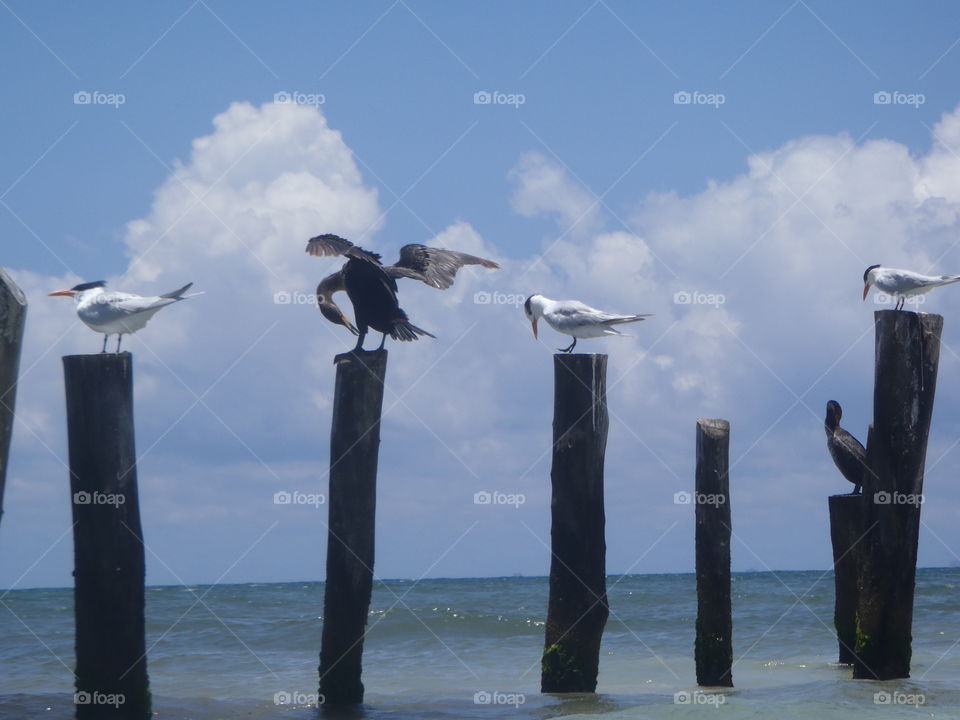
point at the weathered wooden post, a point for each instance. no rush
(578, 609)
(846, 534)
(354, 448)
(111, 672)
(907, 357)
(13, 314)
(713, 650)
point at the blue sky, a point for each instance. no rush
(598, 186)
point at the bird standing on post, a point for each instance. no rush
(372, 286)
(902, 284)
(848, 454)
(118, 313)
(574, 318)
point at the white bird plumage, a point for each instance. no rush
(574, 318)
(118, 313)
(902, 284)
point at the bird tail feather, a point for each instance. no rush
(628, 319)
(179, 294)
(405, 331)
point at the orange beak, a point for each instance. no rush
(62, 293)
(866, 289)
(534, 324)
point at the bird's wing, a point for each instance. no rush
(581, 313)
(330, 245)
(436, 267)
(127, 304)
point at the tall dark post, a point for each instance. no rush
(907, 357)
(111, 673)
(13, 314)
(846, 535)
(713, 650)
(354, 448)
(578, 609)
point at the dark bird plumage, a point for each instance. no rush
(435, 267)
(371, 290)
(848, 454)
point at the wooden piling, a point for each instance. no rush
(907, 357)
(111, 671)
(846, 535)
(13, 314)
(578, 609)
(352, 499)
(713, 650)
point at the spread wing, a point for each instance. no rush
(434, 266)
(331, 245)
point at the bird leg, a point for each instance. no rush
(104, 343)
(360, 336)
(119, 339)
(382, 341)
(569, 348)
(857, 490)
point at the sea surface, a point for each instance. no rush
(470, 648)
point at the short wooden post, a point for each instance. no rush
(111, 672)
(846, 535)
(907, 357)
(13, 314)
(354, 448)
(713, 650)
(578, 609)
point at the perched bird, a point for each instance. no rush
(848, 454)
(435, 267)
(118, 312)
(573, 318)
(902, 284)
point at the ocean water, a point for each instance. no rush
(470, 648)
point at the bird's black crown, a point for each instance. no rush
(867, 272)
(89, 286)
